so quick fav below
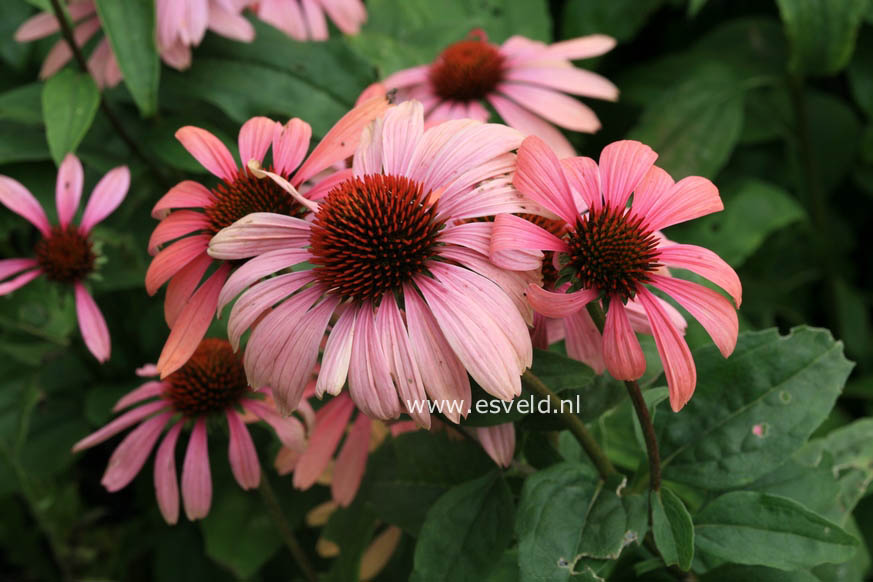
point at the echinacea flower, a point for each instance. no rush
(526, 82)
(182, 24)
(611, 252)
(305, 20)
(211, 385)
(65, 253)
(417, 302)
(191, 213)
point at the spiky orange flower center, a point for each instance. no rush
(247, 194)
(612, 251)
(65, 255)
(372, 234)
(211, 381)
(467, 71)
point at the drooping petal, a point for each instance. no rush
(530, 123)
(404, 369)
(539, 177)
(255, 137)
(187, 194)
(705, 263)
(91, 324)
(315, 20)
(351, 462)
(516, 242)
(259, 299)
(147, 390)
(258, 268)
(196, 476)
(124, 421)
(259, 233)
(558, 108)
(337, 355)
(289, 430)
(330, 425)
(622, 353)
(498, 441)
(407, 77)
(182, 286)
(129, 457)
(166, 484)
(241, 452)
(230, 23)
(622, 166)
(209, 151)
(105, 198)
(68, 189)
(370, 384)
(557, 304)
(9, 267)
(18, 199)
(19, 281)
(583, 340)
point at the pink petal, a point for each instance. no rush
(19, 200)
(321, 189)
(105, 198)
(315, 21)
(147, 390)
(286, 16)
(209, 151)
(705, 263)
(91, 324)
(68, 189)
(531, 124)
(584, 47)
(259, 299)
(583, 340)
(330, 425)
(368, 156)
(516, 242)
(259, 233)
(442, 373)
(147, 371)
(351, 462)
(97, 63)
(289, 430)
(675, 355)
(552, 304)
(196, 477)
(176, 225)
(407, 77)
(38, 26)
(60, 53)
(404, 369)
(9, 267)
(129, 457)
(498, 441)
(689, 198)
(166, 485)
(639, 321)
(622, 166)
(192, 323)
(337, 355)
(472, 235)
(401, 132)
(255, 138)
(187, 194)
(370, 384)
(565, 79)
(182, 286)
(650, 191)
(583, 175)
(19, 281)
(172, 259)
(127, 419)
(290, 145)
(560, 109)
(348, 15)
(258, 268)
(241, 452)
(230, 24)
(715, 313)
(540, 178)
(621, 349)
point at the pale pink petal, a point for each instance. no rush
(315, 21)
(39, 26)
(192, 323)
(255, 138)
(147, 371)
(406, 77)
(9, 267)
(715, 313)
(230, 24)
(621, 349)
(498, 441)
(368, 156)
(583, 175)
(177, 55)
(622, 166)
(689, 198)
(18, 199)
(284, 15)
(97, 63)
(558, 108)
(178, 224)
(290, 145)
(477, 111)
(330, 425)
(370, 384)
(105, 198)
(166, 484)
(705, 263)
(566, 79)
(196, 476)
(129, 457)
(443, 374)
(472, 235)
(172, 259)
(401, 132)
(531, 124)
(256, 301)
(583, 340)
(552, 304)
(515, 243)
(60, 53)
(404, 369)
(182, 286)
(91, 324)
(489, 198)
(351, 462)
(241, 452)
(541, 178)
(348, 15)
(584, 47)
(19, 281)
(289, 430)
(259, 233)
(675, 355)
(320, 190)
(187, 194)
(124, 421)
(336, 357)
(209, 151)
(258, 268)
(144, 392)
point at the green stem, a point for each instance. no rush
(285, 530)
(574, 424)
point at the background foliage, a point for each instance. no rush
(771, 100)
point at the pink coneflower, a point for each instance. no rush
(524, 80)
(417, 301)
(183, 235)
(305, 19)
(65, 252)
(611, 252)
(182, 24)
(211, 385)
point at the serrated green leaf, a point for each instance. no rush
(822, 33)
(753, 410)
(672, 528)
(758, 529)
(466, 531)
(69, 104)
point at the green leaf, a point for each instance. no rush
(69, 104)
(822, 33)
(351, 529)
(28, 146)
(12, 15)
(672, 528)
(812, 484)
(758, 529)
(753, 410)
(734, 572)
(617, 18)
(566, 517)
(130, 27)
(753, 210)
(860, 72)
(695, 6)
(20, 104)
(696, 125)
(466, 531)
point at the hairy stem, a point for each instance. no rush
(574, 424)
(285, 530)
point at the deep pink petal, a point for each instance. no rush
(91, 324)
(106, 196)
(124, 421)
(541, 178)
(241, 452)
(552, 304)
(650, 191)
(255, 138)
(688, 199)
(622, 353)
(705, 263)
(351, 462)
(258, 268)
(129, 457)
(166, 484)
(196, 476)
(622, 166)
(18, 199)
(516, 242)
(187, 194)
(182, 286)
(583, 175)
(147, 390)
(68, 190)
(330, 425)
(9, 267)
(289, 430)
(176, 225)
(172, 259)
(401, 132)
(290, 145)
(19, 281)
(209, 151)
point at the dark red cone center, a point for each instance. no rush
(211, 381)
(248, 194)
(65, 255)
(467, 71)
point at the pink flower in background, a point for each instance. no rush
(417, 301)
(65, 252)
(305, 19)
(210, 386)
(612, 253)
(191, 213)
(524, 80)
(182, 24)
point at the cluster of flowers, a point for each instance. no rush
(415, 247)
